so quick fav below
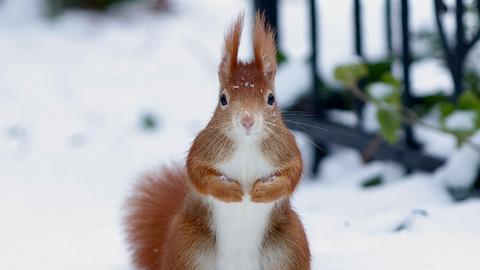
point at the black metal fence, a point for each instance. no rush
(325, 132)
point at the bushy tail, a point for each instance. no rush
(156, 199)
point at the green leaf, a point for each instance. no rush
(472, 79)
(281, 57)
(461, 136)
(469, 101)
(395, 98)
(477, 120)
(390, 124)
(388, 77)
(376, 70)
(427, 103)
(446, 108)
(372, 182)
(350, 74)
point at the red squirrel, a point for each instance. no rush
(229, 209)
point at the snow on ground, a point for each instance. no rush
(461, 120)
(462, 166)
(410, 223)
(72, 96)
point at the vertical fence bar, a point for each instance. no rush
(407, 97)
(357, 15)
(460, 48)
(406, 57)
(358, 48)
(388, 28)
(319, 150)
(314, 56)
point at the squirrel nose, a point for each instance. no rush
(247, 122)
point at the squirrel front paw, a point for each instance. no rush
(226, 189)
(269, 189)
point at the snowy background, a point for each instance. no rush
(74, 96)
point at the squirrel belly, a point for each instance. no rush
(240, 226)
(240, 230)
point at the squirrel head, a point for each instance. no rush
(246, 103)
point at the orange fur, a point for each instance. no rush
(283, 184)
(189, 237)
(264, 48)
(157, 198)
(286, 232)
(230, 49)
(207, 181)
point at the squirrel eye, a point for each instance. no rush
(271, 99)
(223, 100)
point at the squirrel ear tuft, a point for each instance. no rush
(264, 47)
(230, 49)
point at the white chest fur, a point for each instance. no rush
(240, 227)
(246, 164)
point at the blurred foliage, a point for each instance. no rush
(281, 58)
(390, 123)
(372, 182)
(56, 7)
(376, 74)
(368, 72)
(389, 119)
(351, 74)
(379, 72)
(390, 110)
(149, 122)
(469, 101)
(472, 81)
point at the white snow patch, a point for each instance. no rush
(292, 79)
(370, 122)
(380, 90)
(462, 166)
(343, 117)
(461, 120)
(430, 77)
(436, 143)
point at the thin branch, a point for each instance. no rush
(474, 40)
(440, 7)
(476, 37)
